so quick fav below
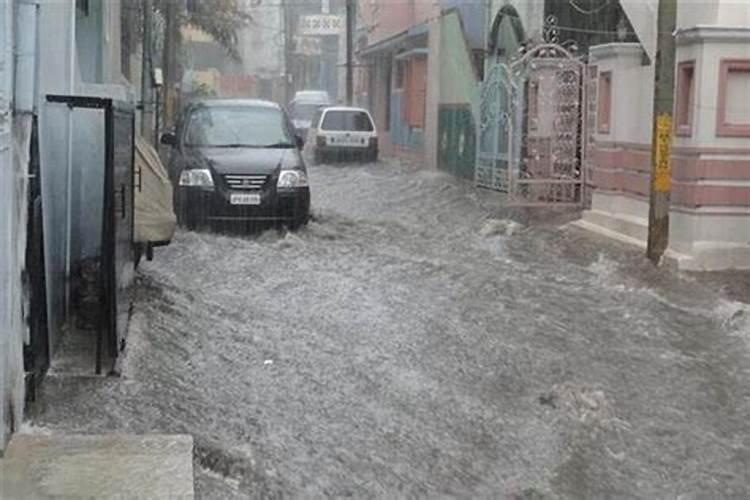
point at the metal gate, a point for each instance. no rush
(532, 127)
(495, 129)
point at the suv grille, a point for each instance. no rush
(246, 182)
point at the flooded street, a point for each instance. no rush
(413, 340)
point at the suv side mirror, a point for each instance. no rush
(169, 139)
(300, 141)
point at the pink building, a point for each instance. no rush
(395, 83)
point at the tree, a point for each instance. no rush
(222, 19)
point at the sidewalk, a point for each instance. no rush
(97, 466)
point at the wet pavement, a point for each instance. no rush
(417, 339)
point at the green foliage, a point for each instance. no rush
(222, 19)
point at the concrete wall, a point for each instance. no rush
(716, 12)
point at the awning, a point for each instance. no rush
(419, 52)
(393, 42)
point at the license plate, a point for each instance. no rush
(349, 141)
(245, 199)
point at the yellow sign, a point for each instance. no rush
(663, 158)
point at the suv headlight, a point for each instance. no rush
(197, 177)
(292, 179)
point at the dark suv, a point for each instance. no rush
(237, 161)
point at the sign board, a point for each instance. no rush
(663, 158)
(307, 46)
(320, 25)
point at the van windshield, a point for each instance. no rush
(350, 121)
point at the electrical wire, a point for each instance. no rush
(589, 12)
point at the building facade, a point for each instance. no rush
(51, 174)
(710, 197)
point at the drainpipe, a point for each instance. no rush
(147, 110)
(69, 181)
(26, 49)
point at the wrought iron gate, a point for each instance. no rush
(532, 127)
(493, 166)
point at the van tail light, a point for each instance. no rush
(321, 141)
(373, 142)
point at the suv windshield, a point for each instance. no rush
(237, 126)
(351, 121)
(304, 111)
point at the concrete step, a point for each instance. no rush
(97, 466)
(632, 230)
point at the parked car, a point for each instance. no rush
(344, 132)
(238, 161)
(320, 96)
(304, 106)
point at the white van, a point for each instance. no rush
(344, 132)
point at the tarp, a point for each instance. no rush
(155, 220)
(643, 17)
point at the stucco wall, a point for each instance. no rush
(457, 101)
(632, 92)
(708, 57)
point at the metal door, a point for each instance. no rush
(117, 269)
(117, 232)
(550, 127)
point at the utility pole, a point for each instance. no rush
(147, 109)
(661, 146)
(286, 14)
(171, 37)
(350, 20)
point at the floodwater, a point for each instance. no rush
(416, 339)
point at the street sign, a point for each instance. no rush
(307, 46)
(319, 25)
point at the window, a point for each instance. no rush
(316, 119)
(351, 121)
(604, 110)
(733, 116)
(685, 98)
(83, 6)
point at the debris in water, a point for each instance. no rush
(498, 227)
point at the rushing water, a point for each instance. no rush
(414, 340)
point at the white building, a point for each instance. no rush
(62, 47)
(710, 201)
